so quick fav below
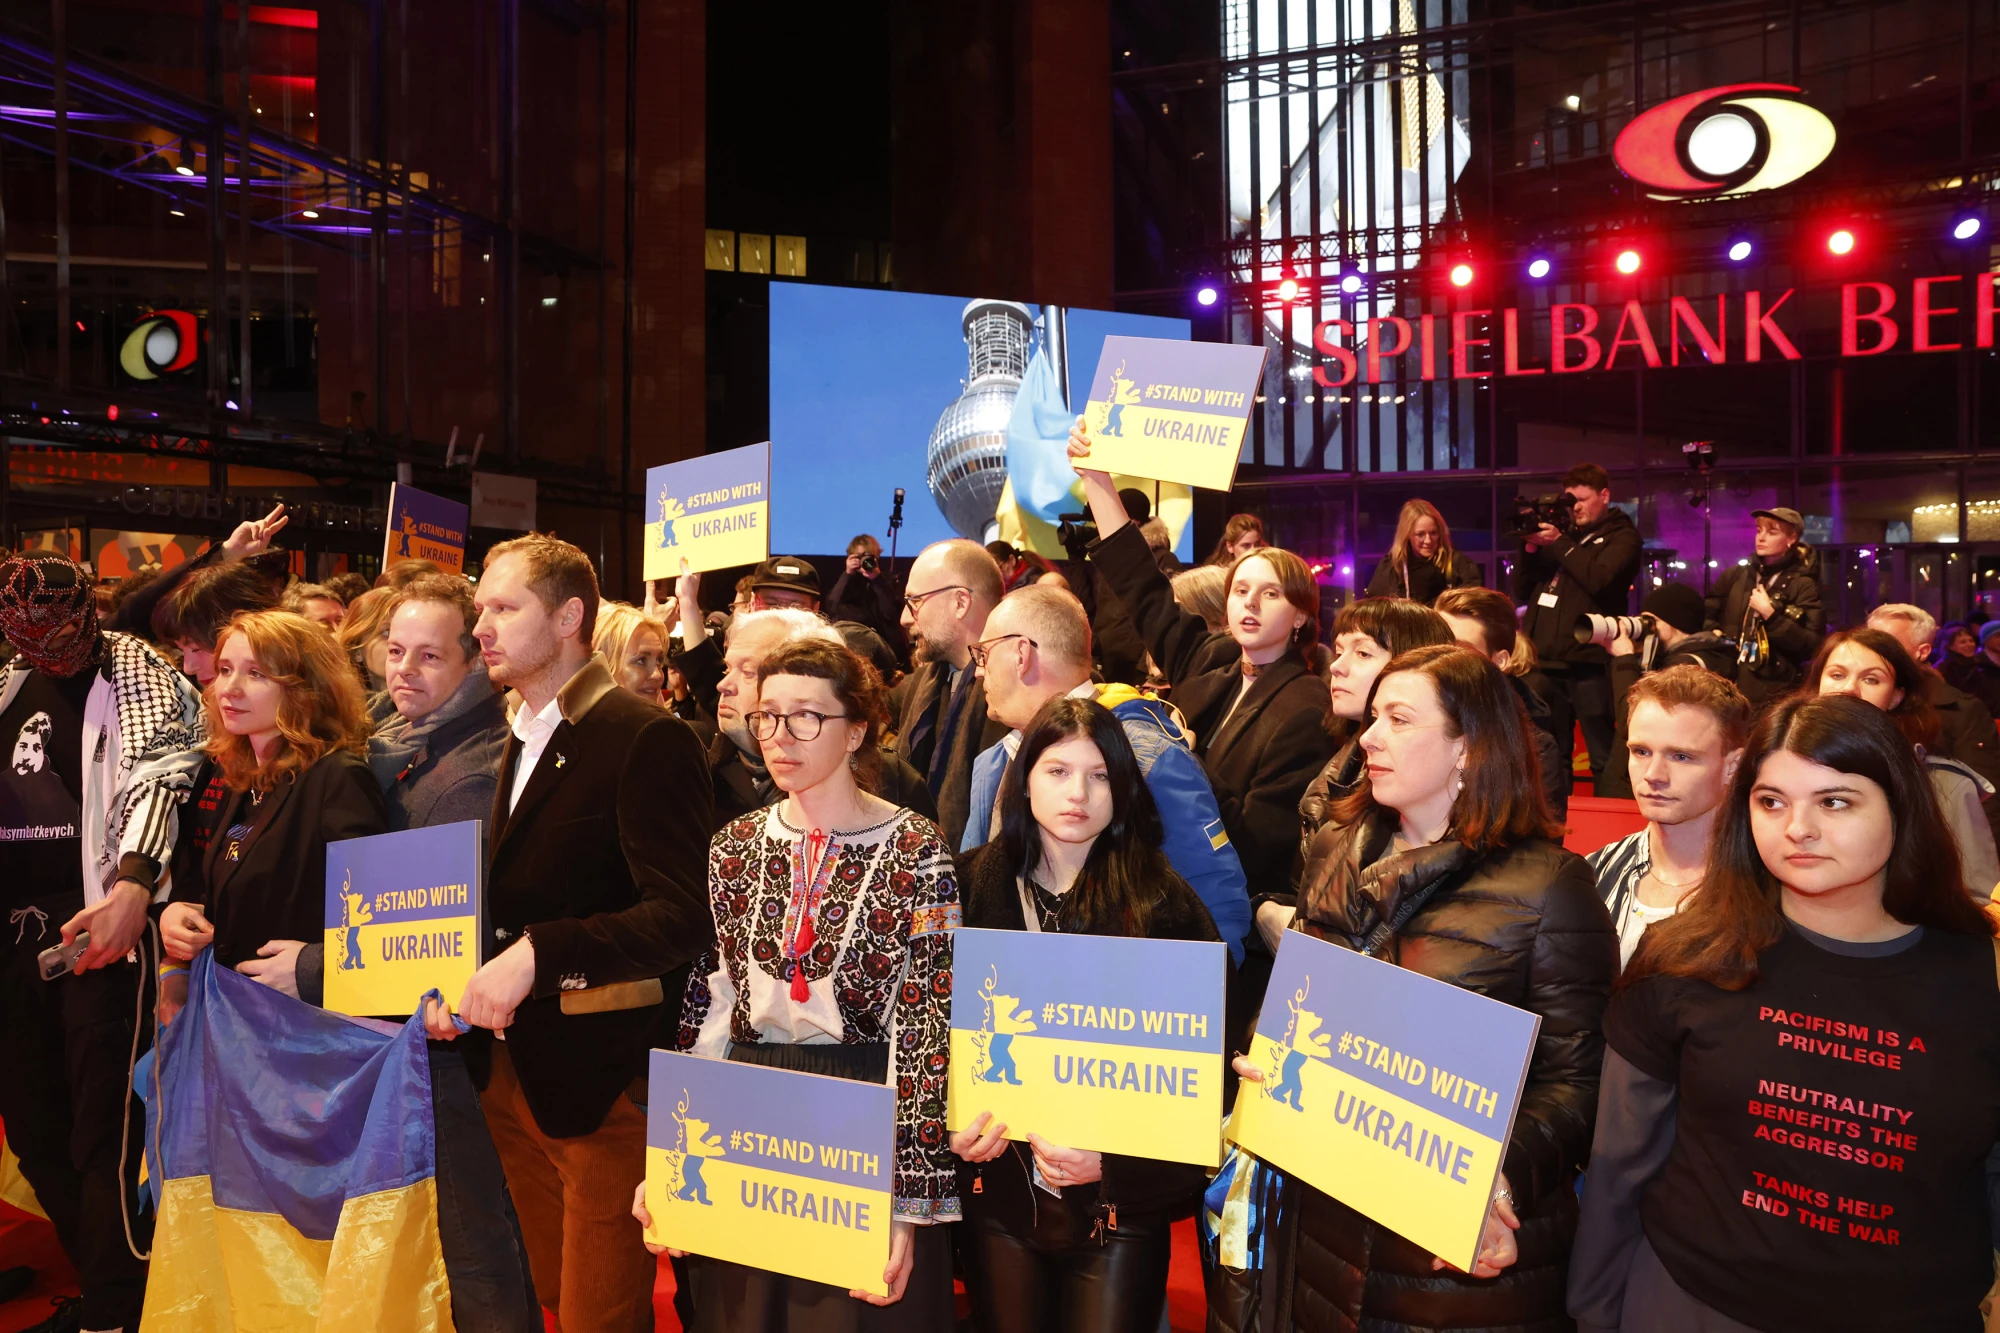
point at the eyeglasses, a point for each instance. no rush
(981, 651)
(915, 601)
(804, 726)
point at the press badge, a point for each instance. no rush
(1546, 599)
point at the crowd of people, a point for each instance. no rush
(750, 833)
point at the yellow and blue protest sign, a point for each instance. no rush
(423, 526)
(403, 914)
(713, 512)
(1091, 1041)
(1172, 411)
(772, 1168)
(1391, 1091)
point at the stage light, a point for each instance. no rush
(1573, 102)
(176, 210)
(1538, 268)
(1351, 283)
(111, 412)
(1628, 261)
(1206, 296)
(187, 153)
(309, 213)
(1461, 275)
(1841, 242)
(1288, 287)
(1966, 229)
(1739, 251)
(230, 403)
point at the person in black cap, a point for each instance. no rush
(785, 580)
(1674, 635)
(1770, 606)
(101, 735)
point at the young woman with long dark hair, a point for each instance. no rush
(1421, 562)
(1802, 1093)
(1450, 837)
(1078, 852)
(1874, 667)
(1249, 693)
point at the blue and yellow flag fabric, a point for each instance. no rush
(293, 1154)
(1041, 484)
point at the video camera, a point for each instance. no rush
(1075, 531)
(1606, 630)
(1530, 512)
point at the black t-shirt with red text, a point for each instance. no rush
(1834, 1121)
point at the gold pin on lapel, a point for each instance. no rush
(561, 759)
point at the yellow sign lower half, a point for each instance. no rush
(798, 1225)
(1135, 1100)
(1197, 448)
(711, 539)
(1425, 1177)
(398, 962)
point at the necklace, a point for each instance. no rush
(1666, 883)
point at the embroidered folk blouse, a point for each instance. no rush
(878, 969)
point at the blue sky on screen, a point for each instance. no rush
(858, 379)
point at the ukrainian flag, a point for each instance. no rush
(294, 1152)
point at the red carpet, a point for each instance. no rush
(27, 1239)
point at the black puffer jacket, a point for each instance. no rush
(1522, 925)
(1795, 629)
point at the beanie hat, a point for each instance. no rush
(1676, 604)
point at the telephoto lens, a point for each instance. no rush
(1606, 630)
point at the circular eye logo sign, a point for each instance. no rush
(1724, 141)
(163, 343)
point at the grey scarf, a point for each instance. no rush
(398, 742)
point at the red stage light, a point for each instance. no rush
(111, 412)
(1461, 275)
(1288, 289)
(1628, 261)
(1840, 242)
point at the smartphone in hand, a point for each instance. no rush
(61, 959)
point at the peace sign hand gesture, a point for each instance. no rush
(254, 536)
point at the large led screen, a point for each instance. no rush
(874, 390)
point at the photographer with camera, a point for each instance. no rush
(1771, 607)
(1667, 632)
(866, 594)
(1579, 556)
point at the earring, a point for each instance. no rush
(1459, 790)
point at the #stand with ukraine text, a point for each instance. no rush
(1391, 1091)
(1173, 411)
(712, 512)
(1091, 1041)
(772, 1168)
(423, 526)
(405, 914)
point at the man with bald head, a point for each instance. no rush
(940, 709)
(1037, 648)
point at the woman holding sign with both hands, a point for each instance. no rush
(1445, 861)
(1062, 1238)
(833, 917)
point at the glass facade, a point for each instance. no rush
(1467, 283)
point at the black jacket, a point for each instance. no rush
(604, 864)
(1424, 579)
(1794, 629)
(1134, 1185)
(1260, 761)
(1523, 925)
(915, 695)
(1592, 569)
(1966, 733)
(871, 602)
(269, 882)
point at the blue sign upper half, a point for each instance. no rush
(422, 874)
(831, 1129)
(436, 518)
(1219, 368)
(1445, 1048)
(1162, 994)
(711, 481)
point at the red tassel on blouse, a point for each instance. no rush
(803, 941)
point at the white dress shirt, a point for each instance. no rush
(533, 731)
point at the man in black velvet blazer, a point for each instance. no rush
(597, 901)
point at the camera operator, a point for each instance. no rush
(1666, 632)
(1565, 573)
(865, 594)
(1771, 607)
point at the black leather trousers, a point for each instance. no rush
(1059, 1278)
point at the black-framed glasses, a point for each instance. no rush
(804, 724)
(984, 649)
(915, 601)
